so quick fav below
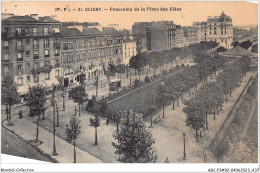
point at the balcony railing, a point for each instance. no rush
(58, 45)
(19, 72)
(19, 59)
(5, 47)
(46, 56)
(5, 60)
(36, 46)
(57, 54)
(19, 33)
(57, 65)
(35, 56)
(65, 48)
(20, 47)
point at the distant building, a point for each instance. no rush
(191, 35)
(129, 50)
(142, 33)
(218, 29)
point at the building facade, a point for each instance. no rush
(129, 50)
(217, 28)
(31, 49)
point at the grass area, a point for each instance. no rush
(137, 99)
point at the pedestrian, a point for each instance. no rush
(7, 112)
(20, 114)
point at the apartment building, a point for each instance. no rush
(129, 50)
(31, 48)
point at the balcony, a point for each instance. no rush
(46, 56)
(36, 46)
(5, 60)
(20, 47)
(35, 56)
(5, 47)
(65, 48)
(19, 59)
(57, 45)
(19, 34)
(57, 54)
(57, 65)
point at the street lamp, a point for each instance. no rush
(54, 153)
(184, 153)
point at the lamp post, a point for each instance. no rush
(163, 85)
(54, 153)
(184, 153)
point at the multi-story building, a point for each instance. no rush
(191, 35)
(129, 50)
(157, 36)
(142, 34)
(31, 48)
(38, 50)
(218, 29)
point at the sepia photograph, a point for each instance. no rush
(130, 82)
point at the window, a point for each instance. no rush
(35, 31)
(19, 43)
(125, 54)
(47, 75)
(57, 73)
(19, 56)
(28, 78)
(221, 32)
(65, 46)
(35, 53)
(45, 31)
(36, 78)
(27, 42)
(57, 52)
(46, 43)
(27, 53)
(19, 67)
(18, 31)
(6, 57)
(215, 32)
(6, 69)
(66, 58)
(46, 52)
(6, 29)
(47, 63)
(35, 44)
(5, 43)
(35, 65)
(27, 65)
(20, 81)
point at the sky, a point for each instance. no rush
(242, 13)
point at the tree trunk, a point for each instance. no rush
(10, 113)
(171, 64)
(135, 72)
(7, 113)
(173, 104)
(196, 135)
(149, 67)
(217, 111)
(37, 129)
(177, 101)
(206, 121)
(43, 117)
(96, 142)
(79, 110)
(154, 71)
(74, 150)
(63, 99)
(196, 88)
(163, 111)
(151, 122)
(214, 113)
(189, 92)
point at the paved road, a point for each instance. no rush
(13, 145)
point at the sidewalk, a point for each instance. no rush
(27, 131)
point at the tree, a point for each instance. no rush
(72, 131)
(245, 44)
(109, 71)
(194, 115)
(78, 95)
(235, 44)
(103, 106)
(10, 95)
(163, 96)
(134, 140)
(254, 48)
(95, 122)
(221, 49)
(36, 103)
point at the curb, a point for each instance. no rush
(39, 150)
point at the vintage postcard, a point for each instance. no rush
(130, 82)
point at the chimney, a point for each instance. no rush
(35, 16)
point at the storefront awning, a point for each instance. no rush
(24, 89)
(52, 82)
